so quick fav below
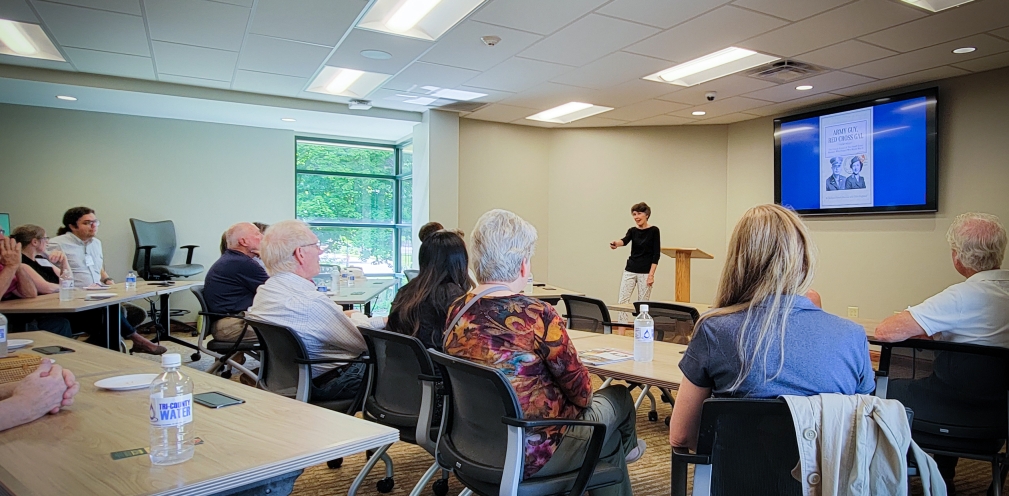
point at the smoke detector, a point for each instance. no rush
(359, 104)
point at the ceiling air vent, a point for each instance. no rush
(785, 71)
(460, 106)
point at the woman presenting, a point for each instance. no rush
(640, 269)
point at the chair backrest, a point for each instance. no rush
(410, 274)
(278, 371)
(586, 314)
(752, 446)
(473, 440)
(205, 320)
(160, 234)
(394, 393)
(673, 323)
(959, 391)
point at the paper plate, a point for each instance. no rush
(126, 382)
(13, 344)
(100, 295)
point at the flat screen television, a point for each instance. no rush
(872, 156)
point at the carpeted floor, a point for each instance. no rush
(649, 476)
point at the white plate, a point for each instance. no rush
(13, 344)
(100, 295)
(97, 288)
(126, 382)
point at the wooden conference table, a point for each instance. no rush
(662, 372)
(70, 452)
(550, 293)
(363, 293)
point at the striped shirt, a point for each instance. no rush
(290, 300)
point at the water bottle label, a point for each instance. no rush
(171, 412)
(67, 283)
(643, 333)
(3, 333)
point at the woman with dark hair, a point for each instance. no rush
(855, 180)
(421, 306)
(639, 272)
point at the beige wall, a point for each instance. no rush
(202, 176)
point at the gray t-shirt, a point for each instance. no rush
(823, 354)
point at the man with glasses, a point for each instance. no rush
(84, 253)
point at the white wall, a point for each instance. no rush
(435, 171)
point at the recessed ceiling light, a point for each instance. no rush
(67, 98)
(376, 54)
(343, 79)
(569, 112)
(287, 119)
(22, 39)
(463, 96)
(698, 112)
(964, 50)
(936, 5)
(711, 66)
(424, 19)
(347, 82)
(803, 87)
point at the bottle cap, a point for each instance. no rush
(171, 360)
(644, 308)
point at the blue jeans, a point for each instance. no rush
(339, 383)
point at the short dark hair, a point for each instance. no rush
(71, 217)
(429, 229)
(643, 208)
(27, 233)
(262, 227)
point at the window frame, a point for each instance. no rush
(398, 225)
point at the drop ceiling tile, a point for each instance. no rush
(270, 84)
(794, 106)
(549, 95)
(461, 47)
(660, 120)
(726, 87)
(822, 83)
(985, 63)
(716, 30)
(112, 64)
(1001, 33)
(323, 22)
(612, 69)
(196, 62)
(644, 110)
(423, 74)
(968, 19)
(501, 113)
(934, 56)
(290, 58)
(191, 81)
(95, 29)
(790, 9)
(659, 13)
(17, 10)
(928, 75)
(198, 22)
(404, 51)
(243, 3)
(536, 16)
(633, 91)
(131, 7)
(517, 74)
(580, 42)
(729, 119)
(845, 54)
(394, 100)
(719, 108)
(492, 95)
(594, 121)
(841, 24)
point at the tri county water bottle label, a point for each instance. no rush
(643, 333)
(174, 411)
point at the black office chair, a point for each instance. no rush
(959, 394)
(222, 351)
(673, 323)
(410, 274)
(401, 394)
(487, 455)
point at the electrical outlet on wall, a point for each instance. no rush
(852, 312)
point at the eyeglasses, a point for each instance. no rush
(322, 248)
(44, 238)
(95, 223)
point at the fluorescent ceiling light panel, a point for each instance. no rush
(421, 100)
(424, 19)
(569, 112)
(937, 5)
(347, 82)
(711, 66)
(460, 95)
(22, 39)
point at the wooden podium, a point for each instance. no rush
(683, 256)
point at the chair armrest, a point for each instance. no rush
(189, 255)
(147, 260)
(221, 315)
(684, 455)
(617, 324)
(332, 360)
(429, 378)
(681, 458)
(591, 453)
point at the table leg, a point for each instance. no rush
(367, 308)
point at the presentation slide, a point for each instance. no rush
(868, 157)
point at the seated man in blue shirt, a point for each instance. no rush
(233, 279)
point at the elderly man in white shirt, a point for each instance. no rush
(975, 311)
(289, 298)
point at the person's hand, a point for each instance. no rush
(613, 245)
(650, 280)
(57, 257)
(10, 252)
(43, 390)
(71, 382)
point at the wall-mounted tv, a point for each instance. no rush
(871, 156)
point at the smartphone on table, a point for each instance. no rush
(216, 399)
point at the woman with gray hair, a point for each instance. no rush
(497, 326)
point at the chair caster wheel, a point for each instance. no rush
(385, 485)
(653, 416)
(335, 463)
(226, 374)
(195, 357)
(440, 487)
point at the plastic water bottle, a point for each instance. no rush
(131, 281)
(171, 414)
(66, 285)
(528, 290)
(350, 282)
(644, 336)
(3, 336)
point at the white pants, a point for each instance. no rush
(628, 282)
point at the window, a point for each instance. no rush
(358, 199)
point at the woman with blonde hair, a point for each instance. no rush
(764, 338)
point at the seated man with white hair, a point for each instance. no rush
(288, 298)
(232, 281)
